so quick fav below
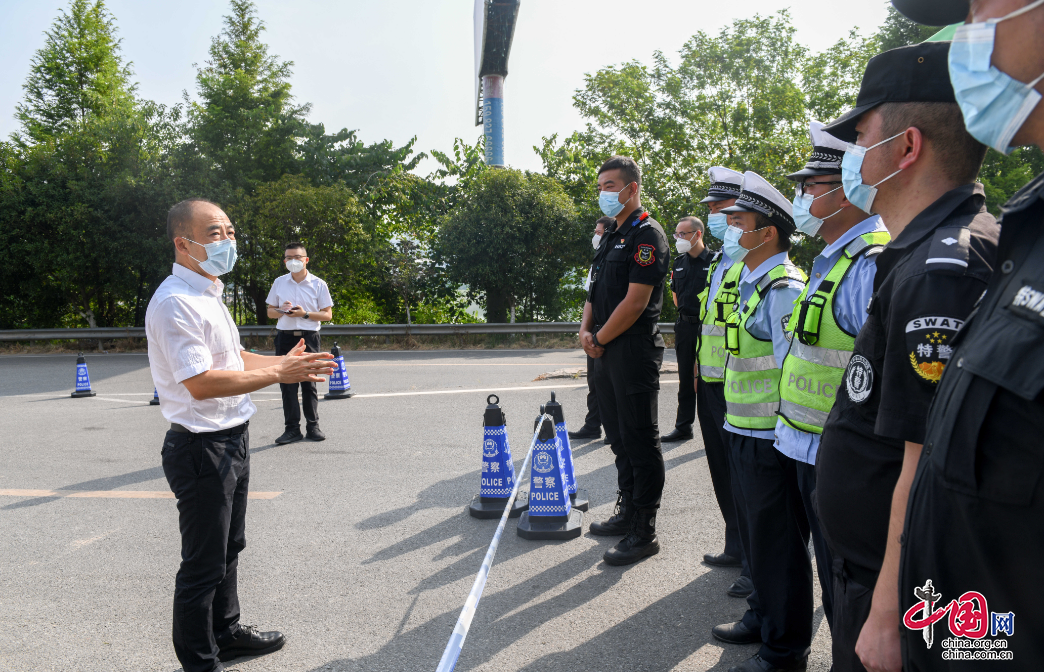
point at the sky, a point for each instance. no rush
(395, 69)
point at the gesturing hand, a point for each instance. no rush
(299, 366)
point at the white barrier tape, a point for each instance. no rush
(464, 621)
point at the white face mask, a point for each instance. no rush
(295, 265)
(595, 240)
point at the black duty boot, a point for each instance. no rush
(619, 522)
(641, 542)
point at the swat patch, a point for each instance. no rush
(1028, 301)
(644, 255)
(950, 248)
(929, 345)
(859, 379)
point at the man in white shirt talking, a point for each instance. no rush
(300, 301)
(205, 378)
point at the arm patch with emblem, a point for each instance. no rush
(929, 344)
(644, 255)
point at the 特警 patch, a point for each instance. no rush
(644, 255)
(930, 344)
(859, 379)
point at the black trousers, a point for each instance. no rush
(777, 540)
(628, 376)
(852, 605)
(687, 338)
(209, 474)
(592, 419)
(711, 413)
(285, 342)
(824, 562)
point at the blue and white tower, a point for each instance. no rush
(494, 28)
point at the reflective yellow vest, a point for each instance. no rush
(820, 349)
(711, 355)
(752, 373)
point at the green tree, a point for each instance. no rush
(511, 238)
(899, 31)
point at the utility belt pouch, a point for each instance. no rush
(809, 317)
(733, 333)
(725, 301)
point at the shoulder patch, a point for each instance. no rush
(644, 255)
(644, 225)
(929, 344)
(949, 248)
(859, 379)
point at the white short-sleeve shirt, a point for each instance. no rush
(312, 294)
(191, 331)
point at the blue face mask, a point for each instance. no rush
(805, 221)
(609, 204)
(994, 105)
(731, 243)
(221, 256)
(859, 194)
(717, 224)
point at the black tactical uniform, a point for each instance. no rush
(926, 283)
(974, 516)
(689, 276)
(628, 373)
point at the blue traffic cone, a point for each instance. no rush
(578, 497)
(155, 401)
(497, 477)
(551, 515)
(338, 386)
(83, 380)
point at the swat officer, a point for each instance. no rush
(619, 330)
(915, 165)
(689, 277)
(825, 320)
(975, 506)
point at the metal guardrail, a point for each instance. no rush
(111, 333)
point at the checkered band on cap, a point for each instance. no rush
(827, 149)
(761, 196)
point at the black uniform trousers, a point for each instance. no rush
(209, 475)
(824, 562)
(285, 342)
(592, 419)
(852, 606)
(775, 533)
(628, 375)
(687, 338)
(711, 413)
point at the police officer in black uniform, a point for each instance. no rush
(689, 276)
(914, 164)
(619, 329)
(974, 517)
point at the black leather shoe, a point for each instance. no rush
(721, 560)
(641, 542)
(742, 587)
(756, 664)
(676, 435)
(586, 432)
(736, 633)
(314, 434)
(619, 522)
(290, 436)
(250, 642)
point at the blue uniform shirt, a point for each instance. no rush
(768, 320)
(850, 309)
(716, 278)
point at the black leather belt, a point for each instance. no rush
(233, 431)
(297, 332)
(692, 319)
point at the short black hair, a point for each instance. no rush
(627, 167)
(694, 222)
(959, 155)
(294, 245)
(783, 238)
(181, 214)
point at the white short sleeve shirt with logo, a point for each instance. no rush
(311, 294)
(190, 331)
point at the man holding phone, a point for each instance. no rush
(300, 301)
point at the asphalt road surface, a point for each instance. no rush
(359, 548)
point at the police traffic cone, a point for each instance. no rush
(551, 516)
(497, 477)
(338, 386)
(155, 401)
(578, 498)
(83, 380)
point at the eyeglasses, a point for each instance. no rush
(680, 236)
(800, 189)
(299, 257)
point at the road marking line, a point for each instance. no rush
(115, 494)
